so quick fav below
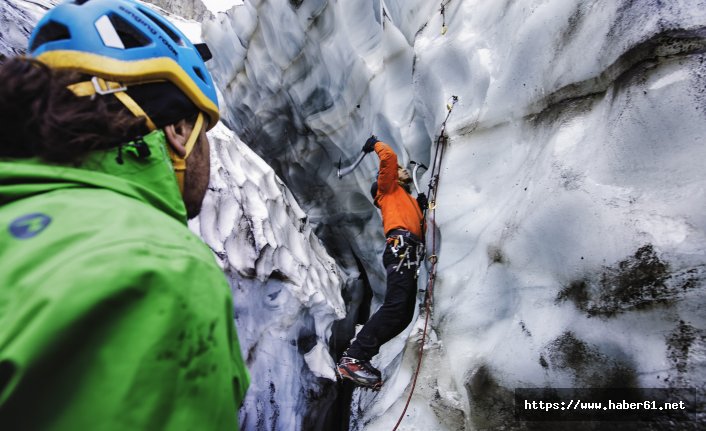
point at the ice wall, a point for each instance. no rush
(189, 9)
(286, 287)
(570, 209)
(17, 19)
(572, 193)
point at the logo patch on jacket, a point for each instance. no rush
(29, 226)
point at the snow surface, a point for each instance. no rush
(570, 212)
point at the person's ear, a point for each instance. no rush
(177, 134)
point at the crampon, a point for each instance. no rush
(359, 372)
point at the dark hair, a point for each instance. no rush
(40, 117)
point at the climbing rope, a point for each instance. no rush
(428, 295)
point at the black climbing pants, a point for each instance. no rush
(396, 311)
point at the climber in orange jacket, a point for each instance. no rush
(402, 222)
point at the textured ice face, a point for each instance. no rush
(17, 19)
(286, 287)
(570, 211)
(570, 214)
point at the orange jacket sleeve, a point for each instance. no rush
(387, 178)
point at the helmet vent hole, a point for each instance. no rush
(199, 73)
(52, 31)
(128, 34)
(204, 51)
(80, 2)
(172, 35)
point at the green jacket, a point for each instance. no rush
(113, 315)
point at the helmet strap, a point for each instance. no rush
(133, 107)
(103, 87)
(178, 161)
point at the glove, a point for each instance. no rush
(422, 201)
(369, 146)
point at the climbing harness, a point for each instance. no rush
(409, 252)
(433, 259)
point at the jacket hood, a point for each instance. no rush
(146, 177)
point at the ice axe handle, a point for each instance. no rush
(347, 170)
(414, 173)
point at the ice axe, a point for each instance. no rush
(414, 173)
(347, 170)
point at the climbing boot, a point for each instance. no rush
(360, 372)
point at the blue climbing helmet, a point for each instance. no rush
(121, 44)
